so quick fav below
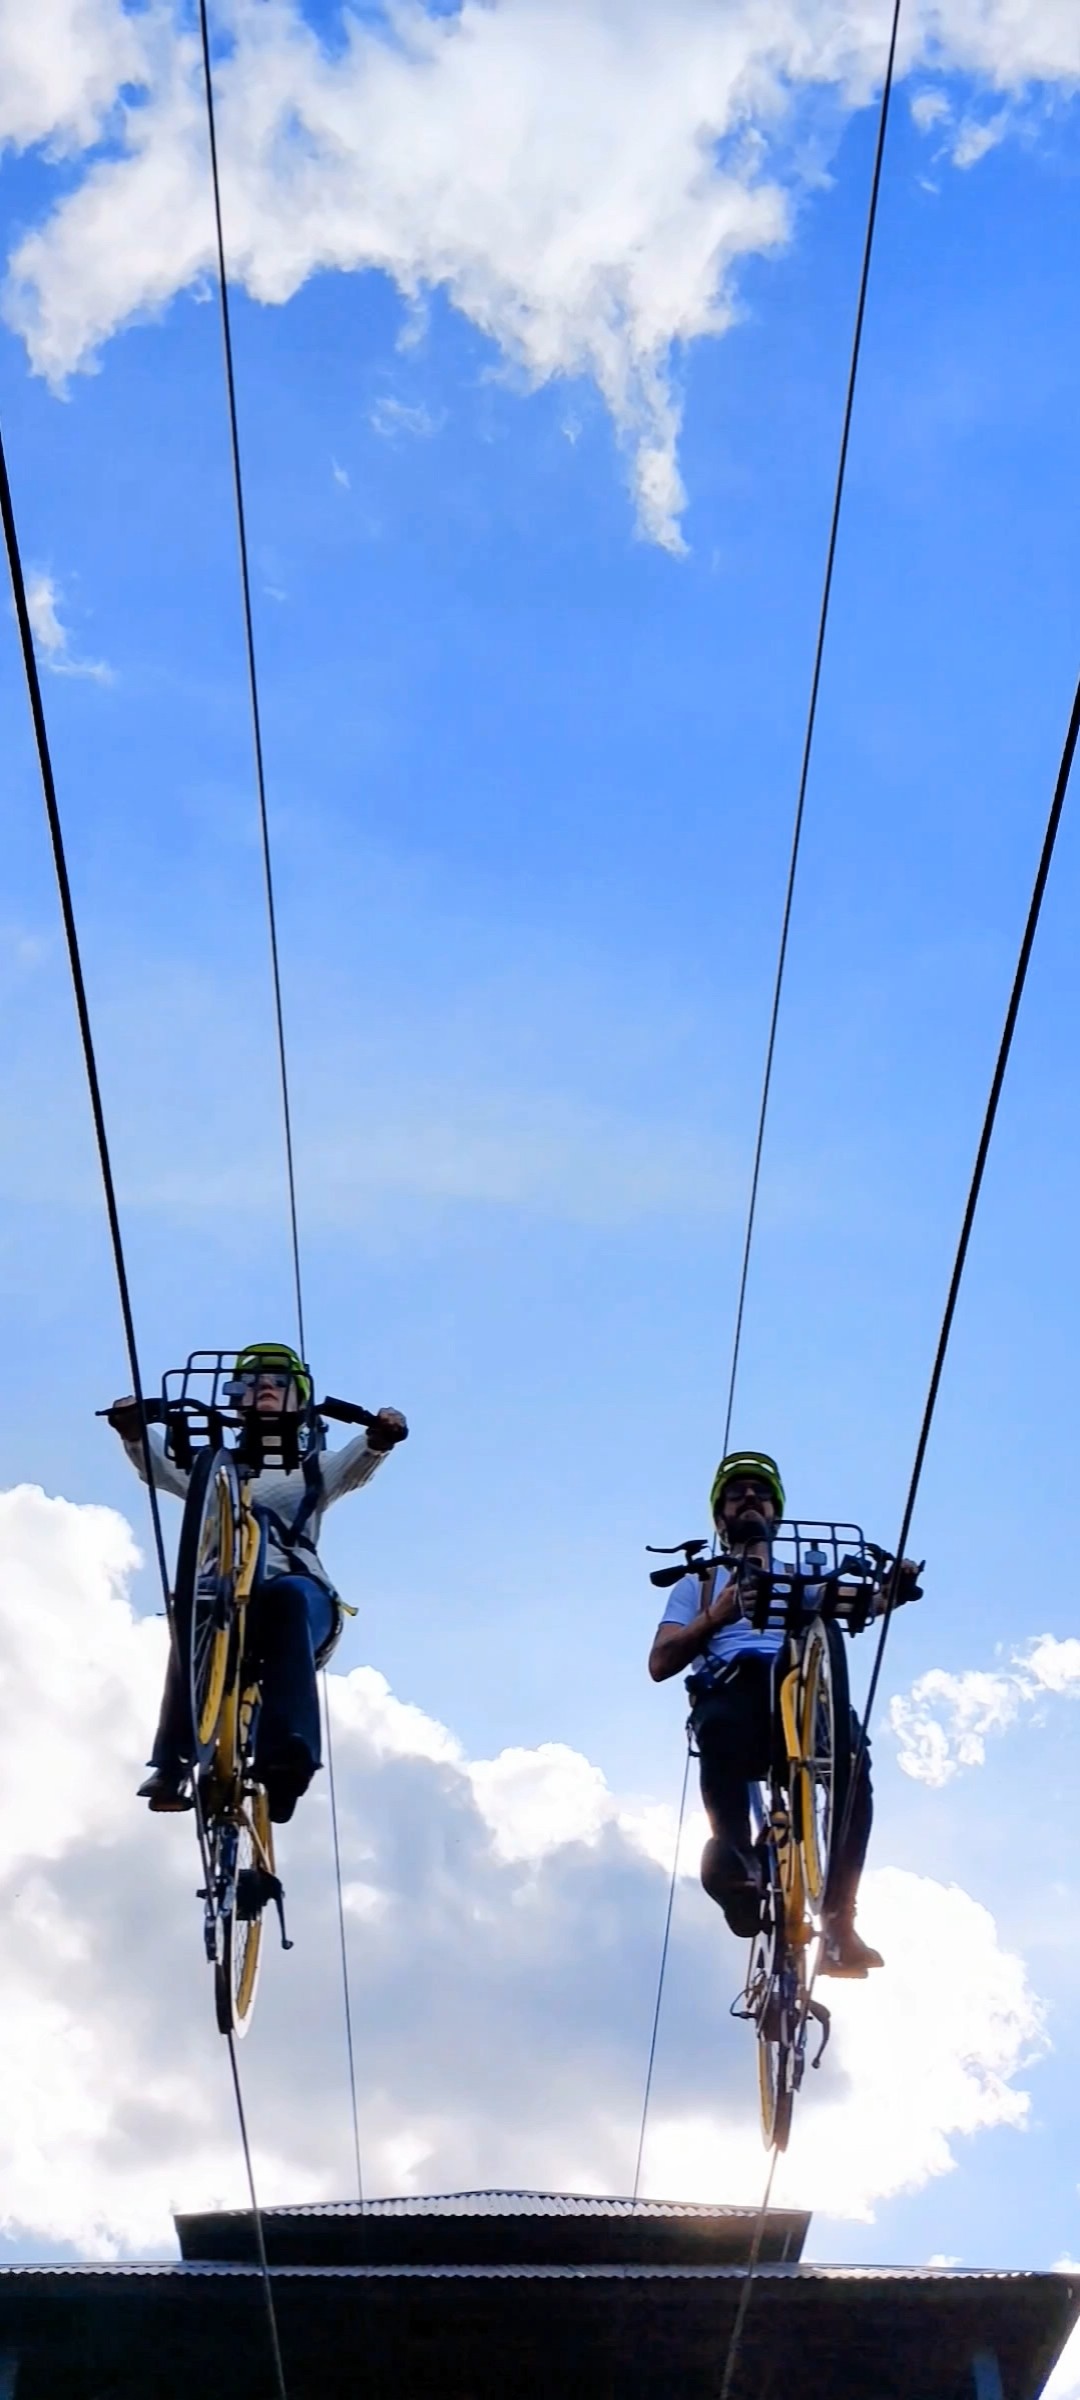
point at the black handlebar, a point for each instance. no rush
(345, 1412)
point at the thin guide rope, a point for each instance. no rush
(67, 910)
(343, 1940)
(1020, 974)
(811, 719)
(260, 2235)
(660, 1978)
(279, 1012)
(731, 2358)
(253, 679)
(1027, 944)
(748, 2283)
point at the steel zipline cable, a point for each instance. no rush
(279, 1012)
(793, 868)
(253, 679)
(82, 1009)
(811, 715)
(1001, 1063)
(660, 1978)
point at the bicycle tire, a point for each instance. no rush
(206, 1567)
(823, 1772)
(236, 1972)
(768, 1956)
(775, 2094)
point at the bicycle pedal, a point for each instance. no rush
(255, 1886)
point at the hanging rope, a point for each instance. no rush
(342, 1937)
(811, 718)
(796, 840)
(279, 1013)
(663, 1969)
(253, 680)
(748, 2281)
(959, 1263)
(78, 980)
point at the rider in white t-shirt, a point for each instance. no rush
(704, 1629)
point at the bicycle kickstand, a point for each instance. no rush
(823, 2017)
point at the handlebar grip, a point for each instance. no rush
(153, 1410)
(346, 1412)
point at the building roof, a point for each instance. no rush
(613, 2332)
(497, 2229)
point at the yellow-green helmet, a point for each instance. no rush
(746, 1462)
(266, 1356)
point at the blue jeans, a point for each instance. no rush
(291, 1620)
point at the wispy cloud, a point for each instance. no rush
(396, 419)
(943, 1724)
(340, 475)
(51, 638)
(582, 182)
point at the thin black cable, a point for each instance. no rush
(811, 720)
(1015, 997)
(264, 827)
(982, 1153)
(789, 893)
(343, 1940)
(260, 2235)
(732, 2354)
(253, 679)
(660, 1978)
(78, 980)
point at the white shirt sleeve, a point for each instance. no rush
(684, 1602)
(348, 1469)
(168, 1477)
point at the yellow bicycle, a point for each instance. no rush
(831, 1583)
(222, 1449)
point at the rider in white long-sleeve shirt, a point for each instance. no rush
(300, 1613)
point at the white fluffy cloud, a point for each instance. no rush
(504, 1917)
(62, 64)
(51, 637)
(942, 1724)
(581, 177)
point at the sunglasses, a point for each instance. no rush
(745, 1488)
(243, 1385)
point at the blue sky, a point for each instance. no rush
(531, 774)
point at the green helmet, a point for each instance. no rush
(265, 1357)
(747, 1462)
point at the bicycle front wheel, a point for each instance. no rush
(236, 1973)
(769, 1998)
(206, 1568)
(823, 1772)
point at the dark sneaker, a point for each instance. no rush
(166, 1791)
(844, 1953)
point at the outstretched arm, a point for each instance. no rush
(348, 1469)
(168, 1477)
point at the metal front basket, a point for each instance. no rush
(199, 1404)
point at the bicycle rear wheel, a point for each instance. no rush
(236, 1973)
(823, 1775)
(771, 1988)
(206, 1568)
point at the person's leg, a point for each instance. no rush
(844, 1952)
(731, 1726)
(170, 1757)
(294, 1619)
